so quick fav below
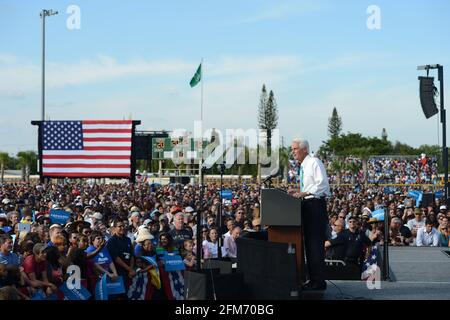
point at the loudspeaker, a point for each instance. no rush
(261, 235)
(427, 92)
(143, 147)
(224, 267)
(210, 284)
(269, 269)
(182, 180)
(428, 199)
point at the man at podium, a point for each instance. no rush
(313, 189)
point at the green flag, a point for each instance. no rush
(197, 76)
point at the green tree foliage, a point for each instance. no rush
(334, 124)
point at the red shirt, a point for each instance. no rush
(30, 265)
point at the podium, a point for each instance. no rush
(282, 213)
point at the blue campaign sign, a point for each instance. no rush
(75, 294)
(378, 214)
(101, 289)
(439, 194)
(39, 295)
(59, 216)
(173, 262)
(227, 194)
(116, 287)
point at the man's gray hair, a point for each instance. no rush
(302, 143)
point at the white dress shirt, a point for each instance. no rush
(425, 239)
(315, 180)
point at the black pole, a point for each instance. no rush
(39, 124)
(444, 130)
(199, 223)
(386, 275)
(133, 152)
(219, 224)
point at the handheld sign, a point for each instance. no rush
(101, 289)
(173, 262)
(227, 194)
(116, 287)
(59, 216)
(75, 294)
(24, 227)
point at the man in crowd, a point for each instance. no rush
(427, 236)
(415, 224)
(121, 251)
(179, 233)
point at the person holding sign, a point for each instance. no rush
(103, 263)
(121, 251)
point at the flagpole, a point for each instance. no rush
(200, 173)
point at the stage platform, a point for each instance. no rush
(416, 273)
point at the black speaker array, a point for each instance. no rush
(427, 92)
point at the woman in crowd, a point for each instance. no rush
(97, 251)
(210, 244)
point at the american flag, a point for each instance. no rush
(370, 265)
(86, 148)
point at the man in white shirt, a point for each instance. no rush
(415, 224)
(427, 236)
(313, 189)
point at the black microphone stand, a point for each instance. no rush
(219, 222)
(199, 220)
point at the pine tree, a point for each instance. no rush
(334, 124)
(384, 134)
(268, 114)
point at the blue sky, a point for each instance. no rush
(137, 59)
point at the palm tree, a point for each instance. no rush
(4, 159)
(336, 167)
(26, 160)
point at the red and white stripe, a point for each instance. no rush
(107, 152)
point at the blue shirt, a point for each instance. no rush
(102, 258)
(11, 258)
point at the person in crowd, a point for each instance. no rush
(415, 224)
(102, 260)
(7, 257)
(229, 245)
(427, 236)
(179, 233)
(35, 267)
(144, 246)
(335, 249)
(210, 245)
(120, 248)
(399, 234)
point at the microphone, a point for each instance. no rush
(271, 176)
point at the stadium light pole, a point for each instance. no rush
(440, 69)
(44, 13)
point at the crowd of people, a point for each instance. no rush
(127, 232)
(385, 170)
(111, 230)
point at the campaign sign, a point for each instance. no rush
(116, 287)
(75, 294)
(39, 295)
(101, 289)
(59, 216)
(227, 194)
(173, 262)
(378, 214)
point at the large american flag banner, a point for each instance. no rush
(86, 148)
